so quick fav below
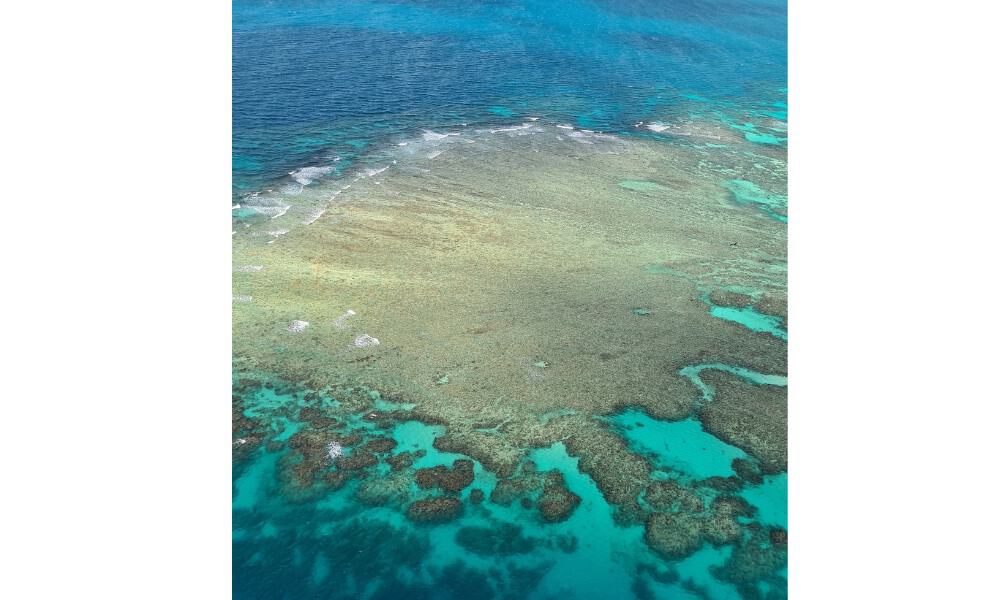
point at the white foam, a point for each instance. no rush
(657, 126)
(564, 126)
(307, 175)
(429, 135)
(271, 211)
(242, 298)
(435, 154)
(292, 189)
(298, 326)
(316, 214)
(340, 321)
(365, 341)
(334, 449)
(247, 268)
(235, 206)
(532, 118)
(374, 172)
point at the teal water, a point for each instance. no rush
(332, 545)
(751, 319)
(748, 193)
(682, 447)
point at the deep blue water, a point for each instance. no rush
(314, 80)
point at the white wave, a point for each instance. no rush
(292, 189)
(657, 126)
(316, 214)
(235, 206)
(429, 135)
(532, 118)
(564, 126)
(281, 212)
(247, 268)
(307, 175)
(374, 172)
(270, 211)
(242, 298)
(435, 154)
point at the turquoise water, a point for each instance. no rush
(679, 446)
(751, 319)
(333, 546)
(748, 193)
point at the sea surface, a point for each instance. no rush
(509, 299)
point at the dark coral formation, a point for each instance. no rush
(686, 523)
(403, 460)
(248, 434)
(527, 483)
(359, 459)
(618, 472)
(315, 418)
(557, 502)
(378, 491)
(674, 535)
(723, 484)
(434, 510)
(477, 496)
(491, 452)
(727, 298)
(455, 479)
(504, 540)
(380, 445)
(671, 496)
(755, 558)
(752, 417)
(747, 471)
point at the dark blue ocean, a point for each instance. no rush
(316, 81)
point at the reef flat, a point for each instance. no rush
(517, 361)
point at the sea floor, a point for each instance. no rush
(521, 361)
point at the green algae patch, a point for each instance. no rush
(641, 312)
(638, 185)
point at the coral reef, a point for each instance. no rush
(380, 490)
(454, 479)
(752, 417)
(557, 502)
(747, 471)
(434, 510)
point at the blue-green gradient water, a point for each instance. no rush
(321, 87)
